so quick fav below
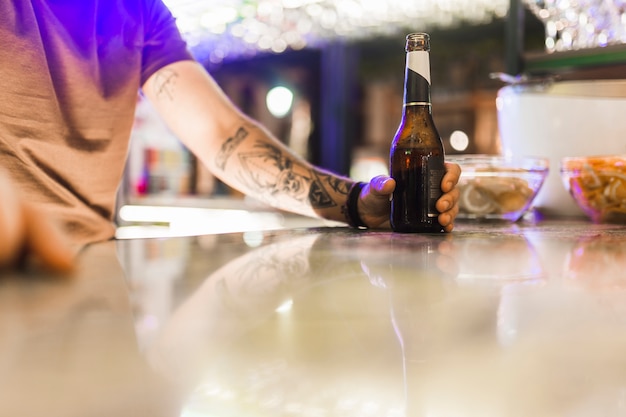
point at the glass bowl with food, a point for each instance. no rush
(598, 185)
(498, 187)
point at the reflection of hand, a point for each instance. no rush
(447, 260)
(374, 205)
(231, 301)
(24, 229)
(442, 259)
(488, 257)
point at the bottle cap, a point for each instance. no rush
(418, 42)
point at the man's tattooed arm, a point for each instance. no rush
(239, 150)
(272, 174)
(164, 84)
(229, 147)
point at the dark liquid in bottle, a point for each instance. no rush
(418, 187)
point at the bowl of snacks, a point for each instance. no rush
(598, 185)
(494, 187)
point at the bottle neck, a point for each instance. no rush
(417, 79)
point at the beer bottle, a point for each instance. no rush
(416, 155)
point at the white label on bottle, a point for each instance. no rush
(419, 61)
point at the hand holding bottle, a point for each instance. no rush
(374, 204)
(417, 158)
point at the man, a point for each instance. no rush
(69, 78)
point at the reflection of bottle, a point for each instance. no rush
(415, 287)
(417, 155)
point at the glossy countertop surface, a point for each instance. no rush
(494, 319)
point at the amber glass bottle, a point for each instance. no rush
(417, 155)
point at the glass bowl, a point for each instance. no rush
(494, 187)
(598, 185)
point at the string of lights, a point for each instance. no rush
(221, 29)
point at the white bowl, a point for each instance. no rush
(569, 118)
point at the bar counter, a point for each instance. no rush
(493, 319)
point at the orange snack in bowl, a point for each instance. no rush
(598, 184)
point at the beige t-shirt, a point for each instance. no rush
(70, 72)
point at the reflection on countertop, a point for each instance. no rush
(506, 319)
(177, 216)
(494, 319)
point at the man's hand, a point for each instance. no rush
(27, 233)
(375, 205)
(448, 204)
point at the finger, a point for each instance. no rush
(444, 204)
(452, 197)
(382, 185)
(447, 218)
(451, 177)
(448, 200)
(449, 227)
(47, 244)
(375, 201)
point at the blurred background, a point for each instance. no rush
(326, 77)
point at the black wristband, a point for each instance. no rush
(351, 209)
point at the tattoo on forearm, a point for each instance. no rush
(318, 196)
(164, 82)
(229, 147)
(263, 277)
(268, 169)
(337, 184)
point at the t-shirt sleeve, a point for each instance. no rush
(163, 43)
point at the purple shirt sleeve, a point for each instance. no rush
(163, 42)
